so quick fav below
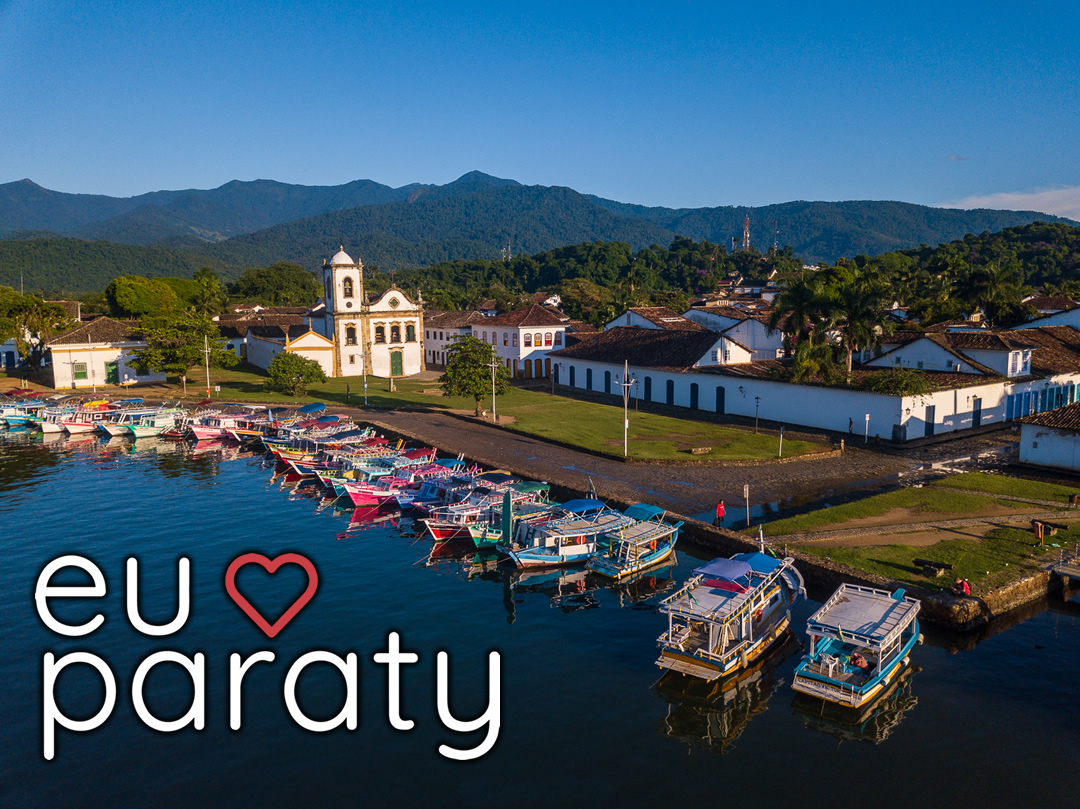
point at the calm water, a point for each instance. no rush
(992, 721)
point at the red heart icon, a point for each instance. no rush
(271, 567)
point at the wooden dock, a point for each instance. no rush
(1068, 570)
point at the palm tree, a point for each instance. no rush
(800, 309)
(860, 316)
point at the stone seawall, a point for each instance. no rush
(942, 608)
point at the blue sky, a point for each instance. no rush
(682, 104)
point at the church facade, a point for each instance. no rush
(381, 337)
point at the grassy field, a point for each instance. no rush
(1003, 555)
(590, 425)
(925, 500)
(1001, 484)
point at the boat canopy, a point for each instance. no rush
(132, 401)
(582, 506)
(329, 418)
(314, 407)
(761, 563)
(528, 486)
(450, 462)
(725, 569)
(643, 511)
(495, 478)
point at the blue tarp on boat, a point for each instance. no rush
(643, 511)
(760, 562)
(329, 418)
(583, 505)
(450, 462)
(314, 407)
(724, 569)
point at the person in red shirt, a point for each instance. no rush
(961, 587)
(720, 511)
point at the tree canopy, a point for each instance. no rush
(280, 284)
(178, 343)
(291, 373)
(469, 371)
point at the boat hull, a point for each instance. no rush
(846, 694)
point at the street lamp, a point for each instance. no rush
(757, 405)
(493, 365)
(626, 384)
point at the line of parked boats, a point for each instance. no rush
(723, 622)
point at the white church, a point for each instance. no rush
(347, 334)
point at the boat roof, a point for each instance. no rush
(450, 462)
(643, 511)
(863, 614)
(760, 562)
(582, 505)
(724, 569)
(495, 478)
(708, 600)
(314, 407)
(527, 486)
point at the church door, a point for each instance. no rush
(396, 368)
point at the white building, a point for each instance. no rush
(654, 317)
(381, 336)
(1052, 439)
(524, 338)
(98, 352)
(749, 328)
(672, 368)
(442, 328)
(263, 343)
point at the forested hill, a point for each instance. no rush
(475, 216)
(826, 231)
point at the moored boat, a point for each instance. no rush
(647, 542)
(860, 640)
(728, 615)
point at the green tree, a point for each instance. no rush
(900, 382)
(281, 284)
(468, 371)
(210, 296)
(859, 316)
(291, 373)
(134, 296)
(175, 344)
(31, 322)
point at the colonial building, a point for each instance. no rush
(442, 328)
(98, 352)
(1052, 438)
(381, 336)
(524, 338)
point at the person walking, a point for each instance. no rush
(850, 426)
(720, 512)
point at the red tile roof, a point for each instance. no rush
(530, 316)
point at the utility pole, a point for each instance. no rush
(626, 384)
(206, 355)
(493, 365)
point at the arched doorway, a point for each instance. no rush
(648, 389)
(528, 369)
(671, 391)
(720, 399)
(693, 396)
(396, 366)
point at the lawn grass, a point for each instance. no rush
(1003, 555)
(1002, 484)
(926, 500)
(590, 425)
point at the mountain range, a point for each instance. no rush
(243, 224)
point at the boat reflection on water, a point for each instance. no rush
(363, 518)
(572, 589)
(712, 714)
(871, 723)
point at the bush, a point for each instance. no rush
(291, 373)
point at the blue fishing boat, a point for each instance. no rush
(563, 535)
(639, 546)
(860, 640)
(729, 614)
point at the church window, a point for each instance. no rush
(528, 341)
(558, 338)
(395, 333)
(380, 334)
(327, 291)
(346, 286)
(350, 335)
(352, 359)
(410, 334)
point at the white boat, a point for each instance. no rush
(565, 535)
(637, 547)
(729, 614)
(857, 624)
